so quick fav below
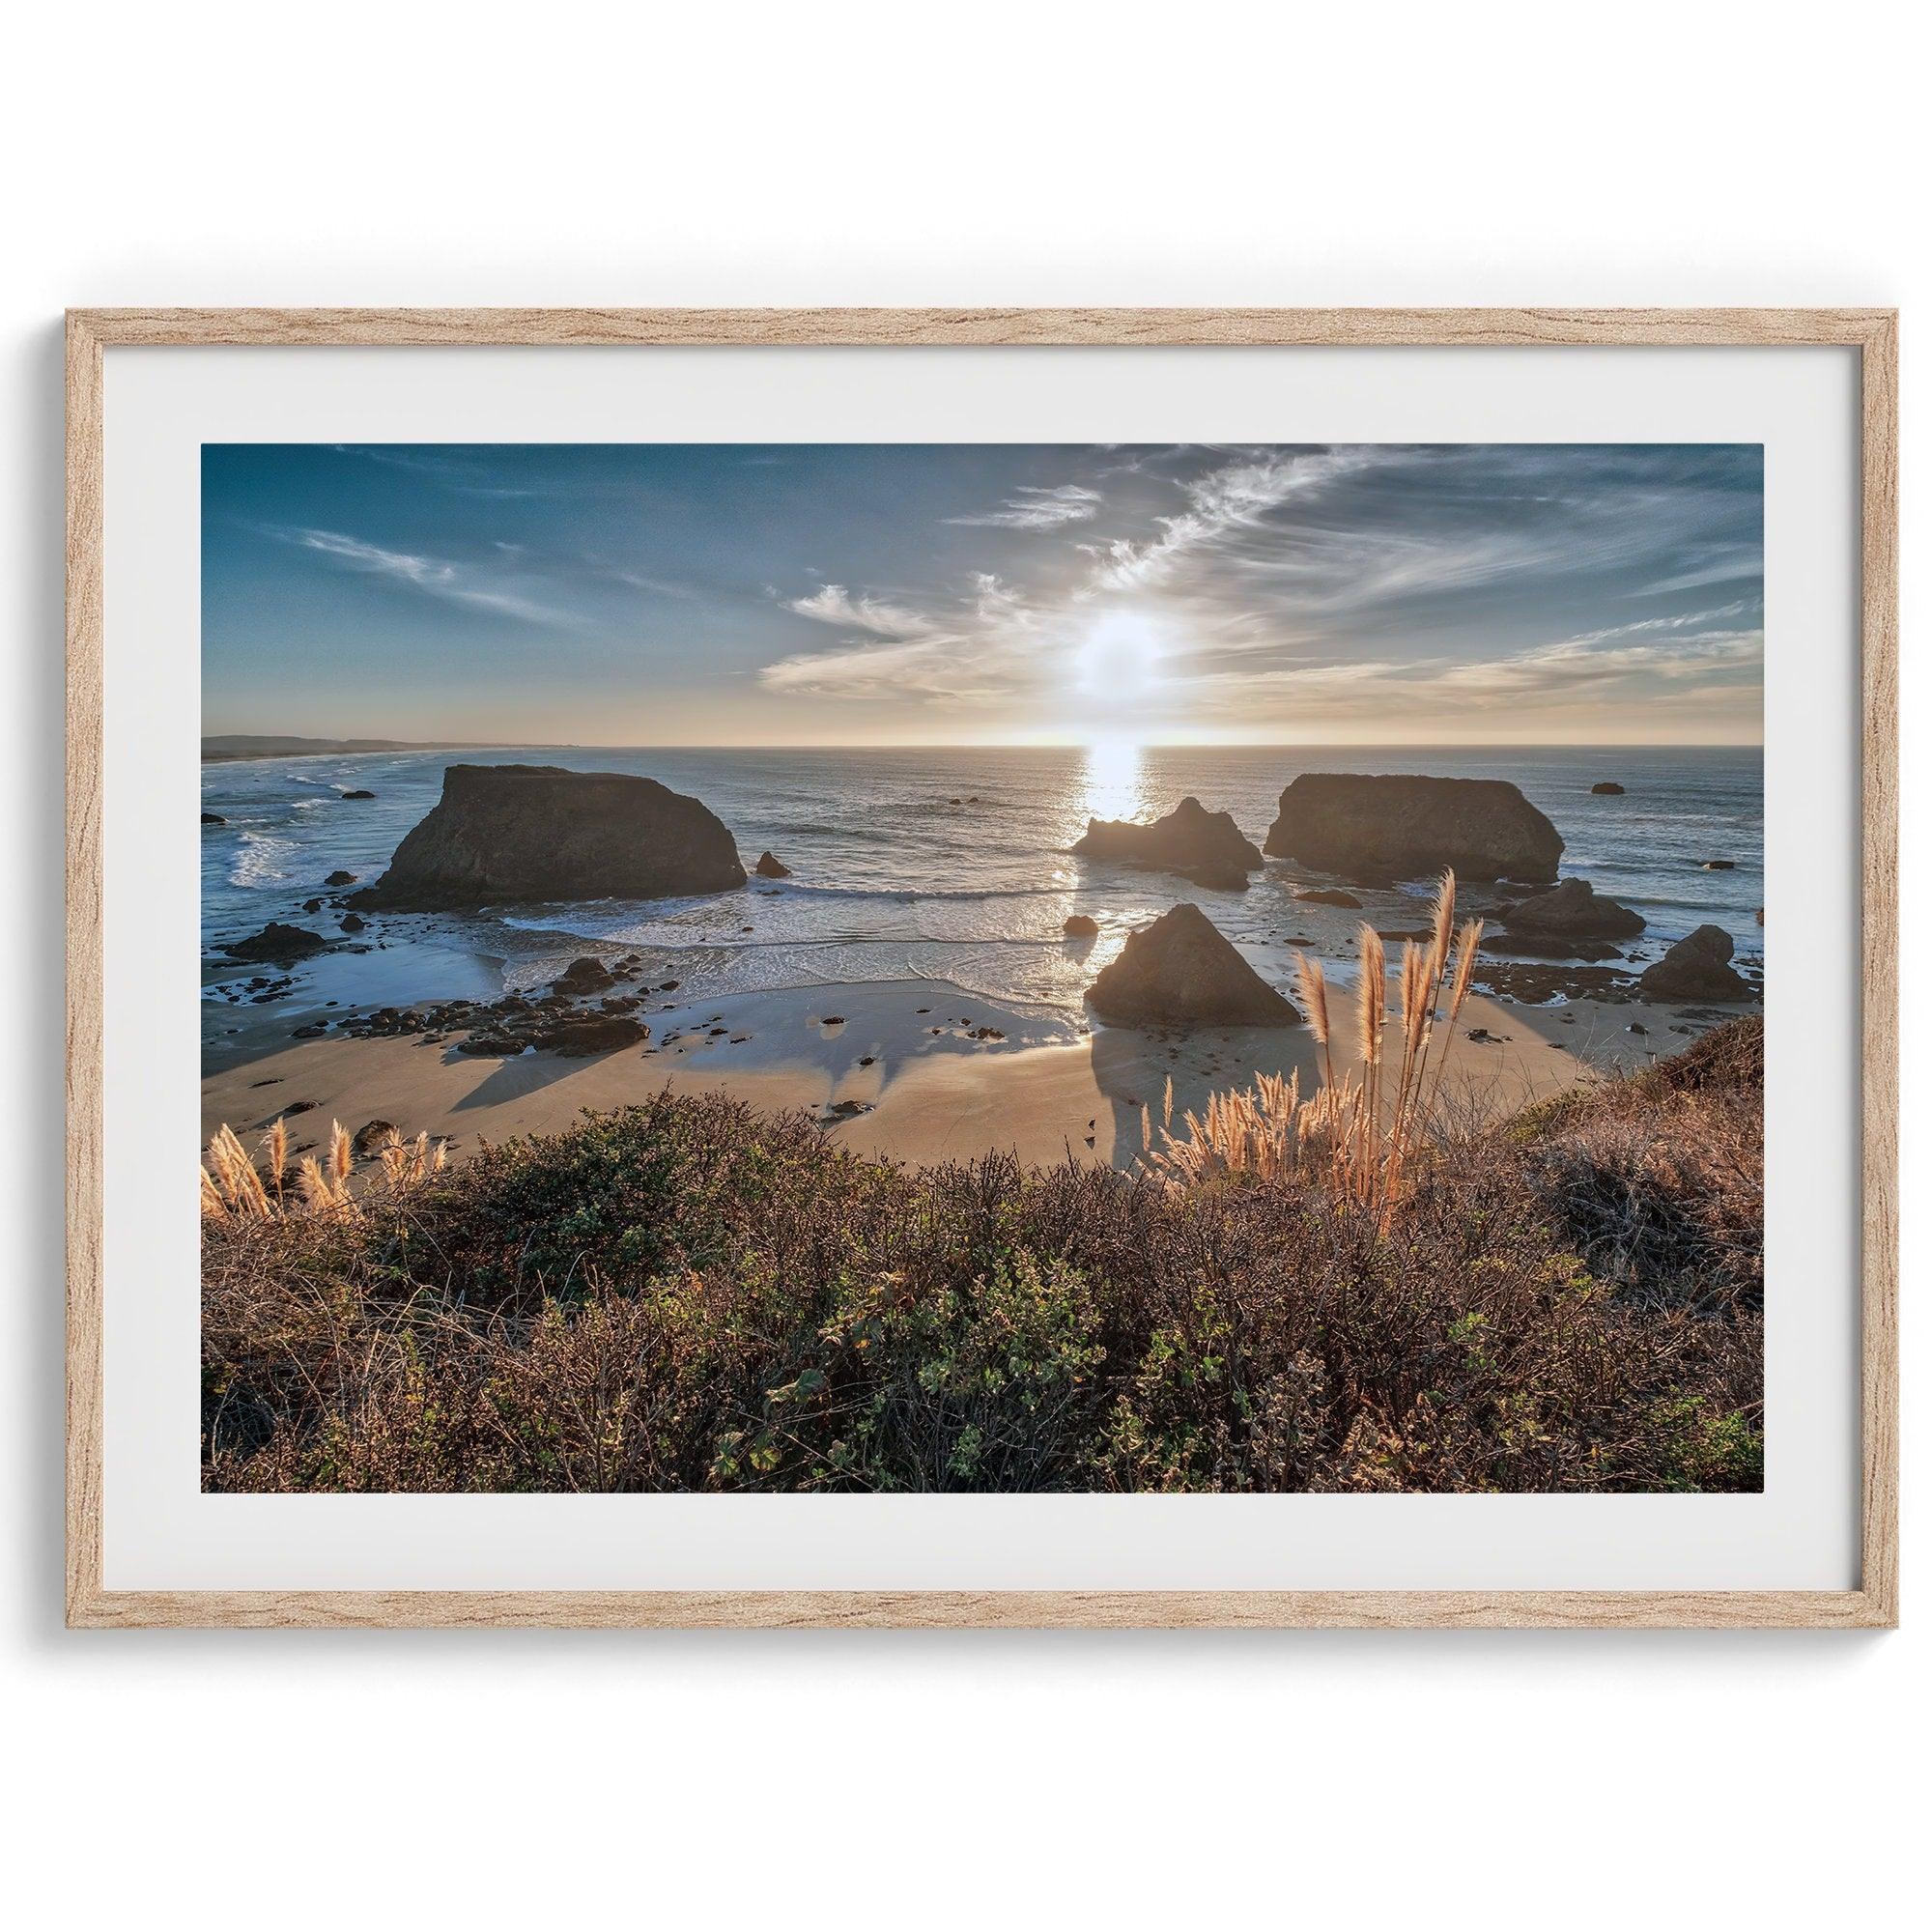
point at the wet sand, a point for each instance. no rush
(903, 1055)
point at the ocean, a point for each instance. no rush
(950, 866)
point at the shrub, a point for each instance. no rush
(688, 1295)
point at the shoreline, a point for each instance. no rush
(893, 1070)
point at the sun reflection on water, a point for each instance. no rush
(1114, 782)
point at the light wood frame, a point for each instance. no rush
(1873, 333)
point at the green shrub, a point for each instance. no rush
(689, 1295)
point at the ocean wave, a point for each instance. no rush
(258, 862)
(887, 895)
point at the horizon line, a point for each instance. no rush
(395, 746)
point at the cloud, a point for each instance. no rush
(939, 666)
(835, 605)
(435, 577)
(983, 649)
(1034, 508)
(1336, 586)
(1714, 563)
(1612, 675)
(1222, 504)
(451, 474)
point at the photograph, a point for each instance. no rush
(915, 968)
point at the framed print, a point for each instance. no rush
(1006, 967)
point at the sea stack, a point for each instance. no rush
(1179, 970)
(771, 866)
(1402, 827)
(1697, 968)
(1205, 846)
(1573, 910)
(509, 833)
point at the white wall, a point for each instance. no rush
(783, 153)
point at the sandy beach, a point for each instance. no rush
(894, 1069)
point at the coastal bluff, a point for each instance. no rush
(506, 832)
(1402, 827)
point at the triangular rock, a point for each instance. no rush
(1179, 970)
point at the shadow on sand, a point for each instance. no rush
(1132, 1069)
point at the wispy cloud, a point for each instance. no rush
(835, 605)
(1711, 564)
(450, 473)
(1222, 504)
(435, 577)
(1036, 507)
(1270, 588)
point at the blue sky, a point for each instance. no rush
(732, 594)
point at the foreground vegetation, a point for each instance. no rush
(689, 1295)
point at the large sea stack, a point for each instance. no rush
(1179, 970)
(505, 832)
(1202, 845)
(1401, 828)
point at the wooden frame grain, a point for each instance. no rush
(1873, 333)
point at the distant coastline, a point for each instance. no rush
(229, 746)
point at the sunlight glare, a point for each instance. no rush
(1118, 659)
(1112, 781)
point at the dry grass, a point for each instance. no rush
(1365, 1141)
(236, 1188)
(688, 1296)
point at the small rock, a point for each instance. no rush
(213, 818)
(1079, 926)
(278, 945)
(369, 1136)
(1332, 895)
(338, 877)
(1608, 788)
(587, 975)
(581, 1035)
(770, 867)
(358, 793)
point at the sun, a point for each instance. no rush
(1119, 656)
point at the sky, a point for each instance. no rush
(876, 594)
